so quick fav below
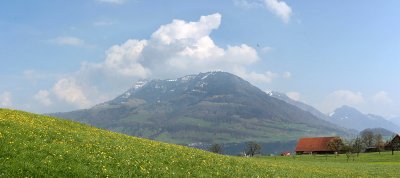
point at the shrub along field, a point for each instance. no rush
(40, 146)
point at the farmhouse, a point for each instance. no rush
(318, 145)
(396, 139)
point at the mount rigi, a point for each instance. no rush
(212, 107)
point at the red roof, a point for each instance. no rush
(314, 144)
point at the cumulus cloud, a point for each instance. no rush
(254, 77)
(43, 97)
(180, 30)
(293, 95)
(173, 50)
(342, 97)
(247, 4)
(176, 49)
(68, 40)
(266, 49)
(379, 103)
(5, 99)
(347, 96)
(67, 90)
(280, 9)
(382, 97)
(124, 58)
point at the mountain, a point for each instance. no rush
(387, 134)
(351, 118)
(212, 107)
(299, 104)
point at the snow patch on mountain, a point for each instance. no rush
(127, 94)
(187, 78)
(270, 93)
(139, 84)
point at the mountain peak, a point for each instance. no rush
(186, 78)
(347, 108)
(197, 86)
(350, 117)
(345, 112)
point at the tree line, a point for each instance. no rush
(251, 149)
(367, 141)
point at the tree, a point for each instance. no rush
(357, 145)
(348, 148)
(252, 148)
(216, 148)
(379, 144)
(336, 144)
(349, 155)
(368, 138)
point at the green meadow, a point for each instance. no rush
(40, 146)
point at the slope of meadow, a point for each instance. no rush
(39, 146)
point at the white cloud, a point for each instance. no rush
(241, 55)
(181, 30)
(379, 103)
(254, 77)
(279, 8)
(293, 95)
(382, 97)
(179, 48)
(247, 4)
(67, 90)
(347, 96)
(112, 1)
(5, 99)
(68, 40)
(266, 49)
(342, 97)
(43, 97)
(124, 58)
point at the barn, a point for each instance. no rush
(314, 145)
(395, 139)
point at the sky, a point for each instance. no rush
(59, 55)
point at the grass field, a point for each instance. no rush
(40, 146)
(365, 165)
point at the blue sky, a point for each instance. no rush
(65, 55)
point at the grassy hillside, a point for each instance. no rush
(40, 146)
